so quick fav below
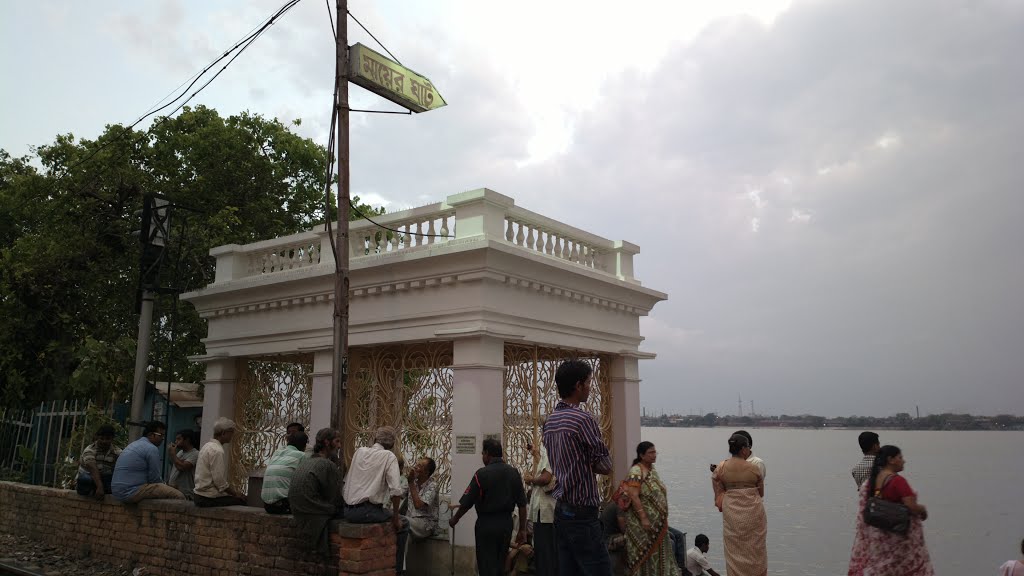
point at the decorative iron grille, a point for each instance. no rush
(270, 394)
(408, 387)
(531, 394)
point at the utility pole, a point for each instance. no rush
(339, 375)
(153, 236)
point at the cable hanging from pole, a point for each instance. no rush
(371, 221)
(379, 43)
(240, 46)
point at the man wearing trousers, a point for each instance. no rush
(495, 490)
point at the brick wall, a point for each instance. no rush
(175, 537)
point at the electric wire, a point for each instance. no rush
(379, 43)
(330, 15)
(243, 43)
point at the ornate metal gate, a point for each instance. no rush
(408, 387)
(531, 394)
(270, 393)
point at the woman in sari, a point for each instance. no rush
(739, 488)
(648, 547)
(877, 552)
(1014, 567)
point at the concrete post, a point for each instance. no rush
(320, 397)
(218, 393)
(477, 411)
(625, 384)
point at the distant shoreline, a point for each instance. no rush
(825, 428)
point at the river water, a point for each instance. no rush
(971, 482)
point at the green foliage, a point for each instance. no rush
(69, 262)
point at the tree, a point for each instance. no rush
(69, 262)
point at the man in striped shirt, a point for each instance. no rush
(278, 476)
(576, 453)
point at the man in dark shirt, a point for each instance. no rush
(495, 490)
(577, 452)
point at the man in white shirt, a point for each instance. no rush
(696, 563)
(212, 486)
(373, 479)
(541, 510)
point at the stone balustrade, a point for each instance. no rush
(479, 213)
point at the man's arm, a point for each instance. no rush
(97, 478)
(179, 463)
(393, 477)
(88, 461)
(467, 501)
(219, 473)
(602, 460)
(521, 536)
(154, 474)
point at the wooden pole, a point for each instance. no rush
(339, 375)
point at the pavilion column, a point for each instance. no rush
(477, 412)
(320, 394)
(625, 386)
(218, 393)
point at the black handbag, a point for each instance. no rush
(889, 516)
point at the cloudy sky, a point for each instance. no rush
(829, 191)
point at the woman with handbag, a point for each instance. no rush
(648, 547)
(739, 489)
(881, 551)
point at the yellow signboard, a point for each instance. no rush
(391, 80)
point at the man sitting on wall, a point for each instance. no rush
(183, 457)
(314, 493)
(422, 499)
(278, 476)
(96, 466)
(138, 473)
(212, 487)
(373, 479)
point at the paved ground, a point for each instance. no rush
(49, 560)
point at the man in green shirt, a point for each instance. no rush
(278, 476)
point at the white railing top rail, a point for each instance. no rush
(478, 213)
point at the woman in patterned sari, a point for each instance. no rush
(739, 487)
(880, 553)
(648, 547)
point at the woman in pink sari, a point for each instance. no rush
(1014, 567)
(877, 552)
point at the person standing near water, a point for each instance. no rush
(739, 488)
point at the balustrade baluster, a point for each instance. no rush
(394, 240)
(419, 233)
(430, 231)
(508, 231)
(520, 236)
(529, 236)
(547, 245)
(574, 256)
(558, 246)
(444, 228)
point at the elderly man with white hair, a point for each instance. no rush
(212, 487)
(373, 478)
